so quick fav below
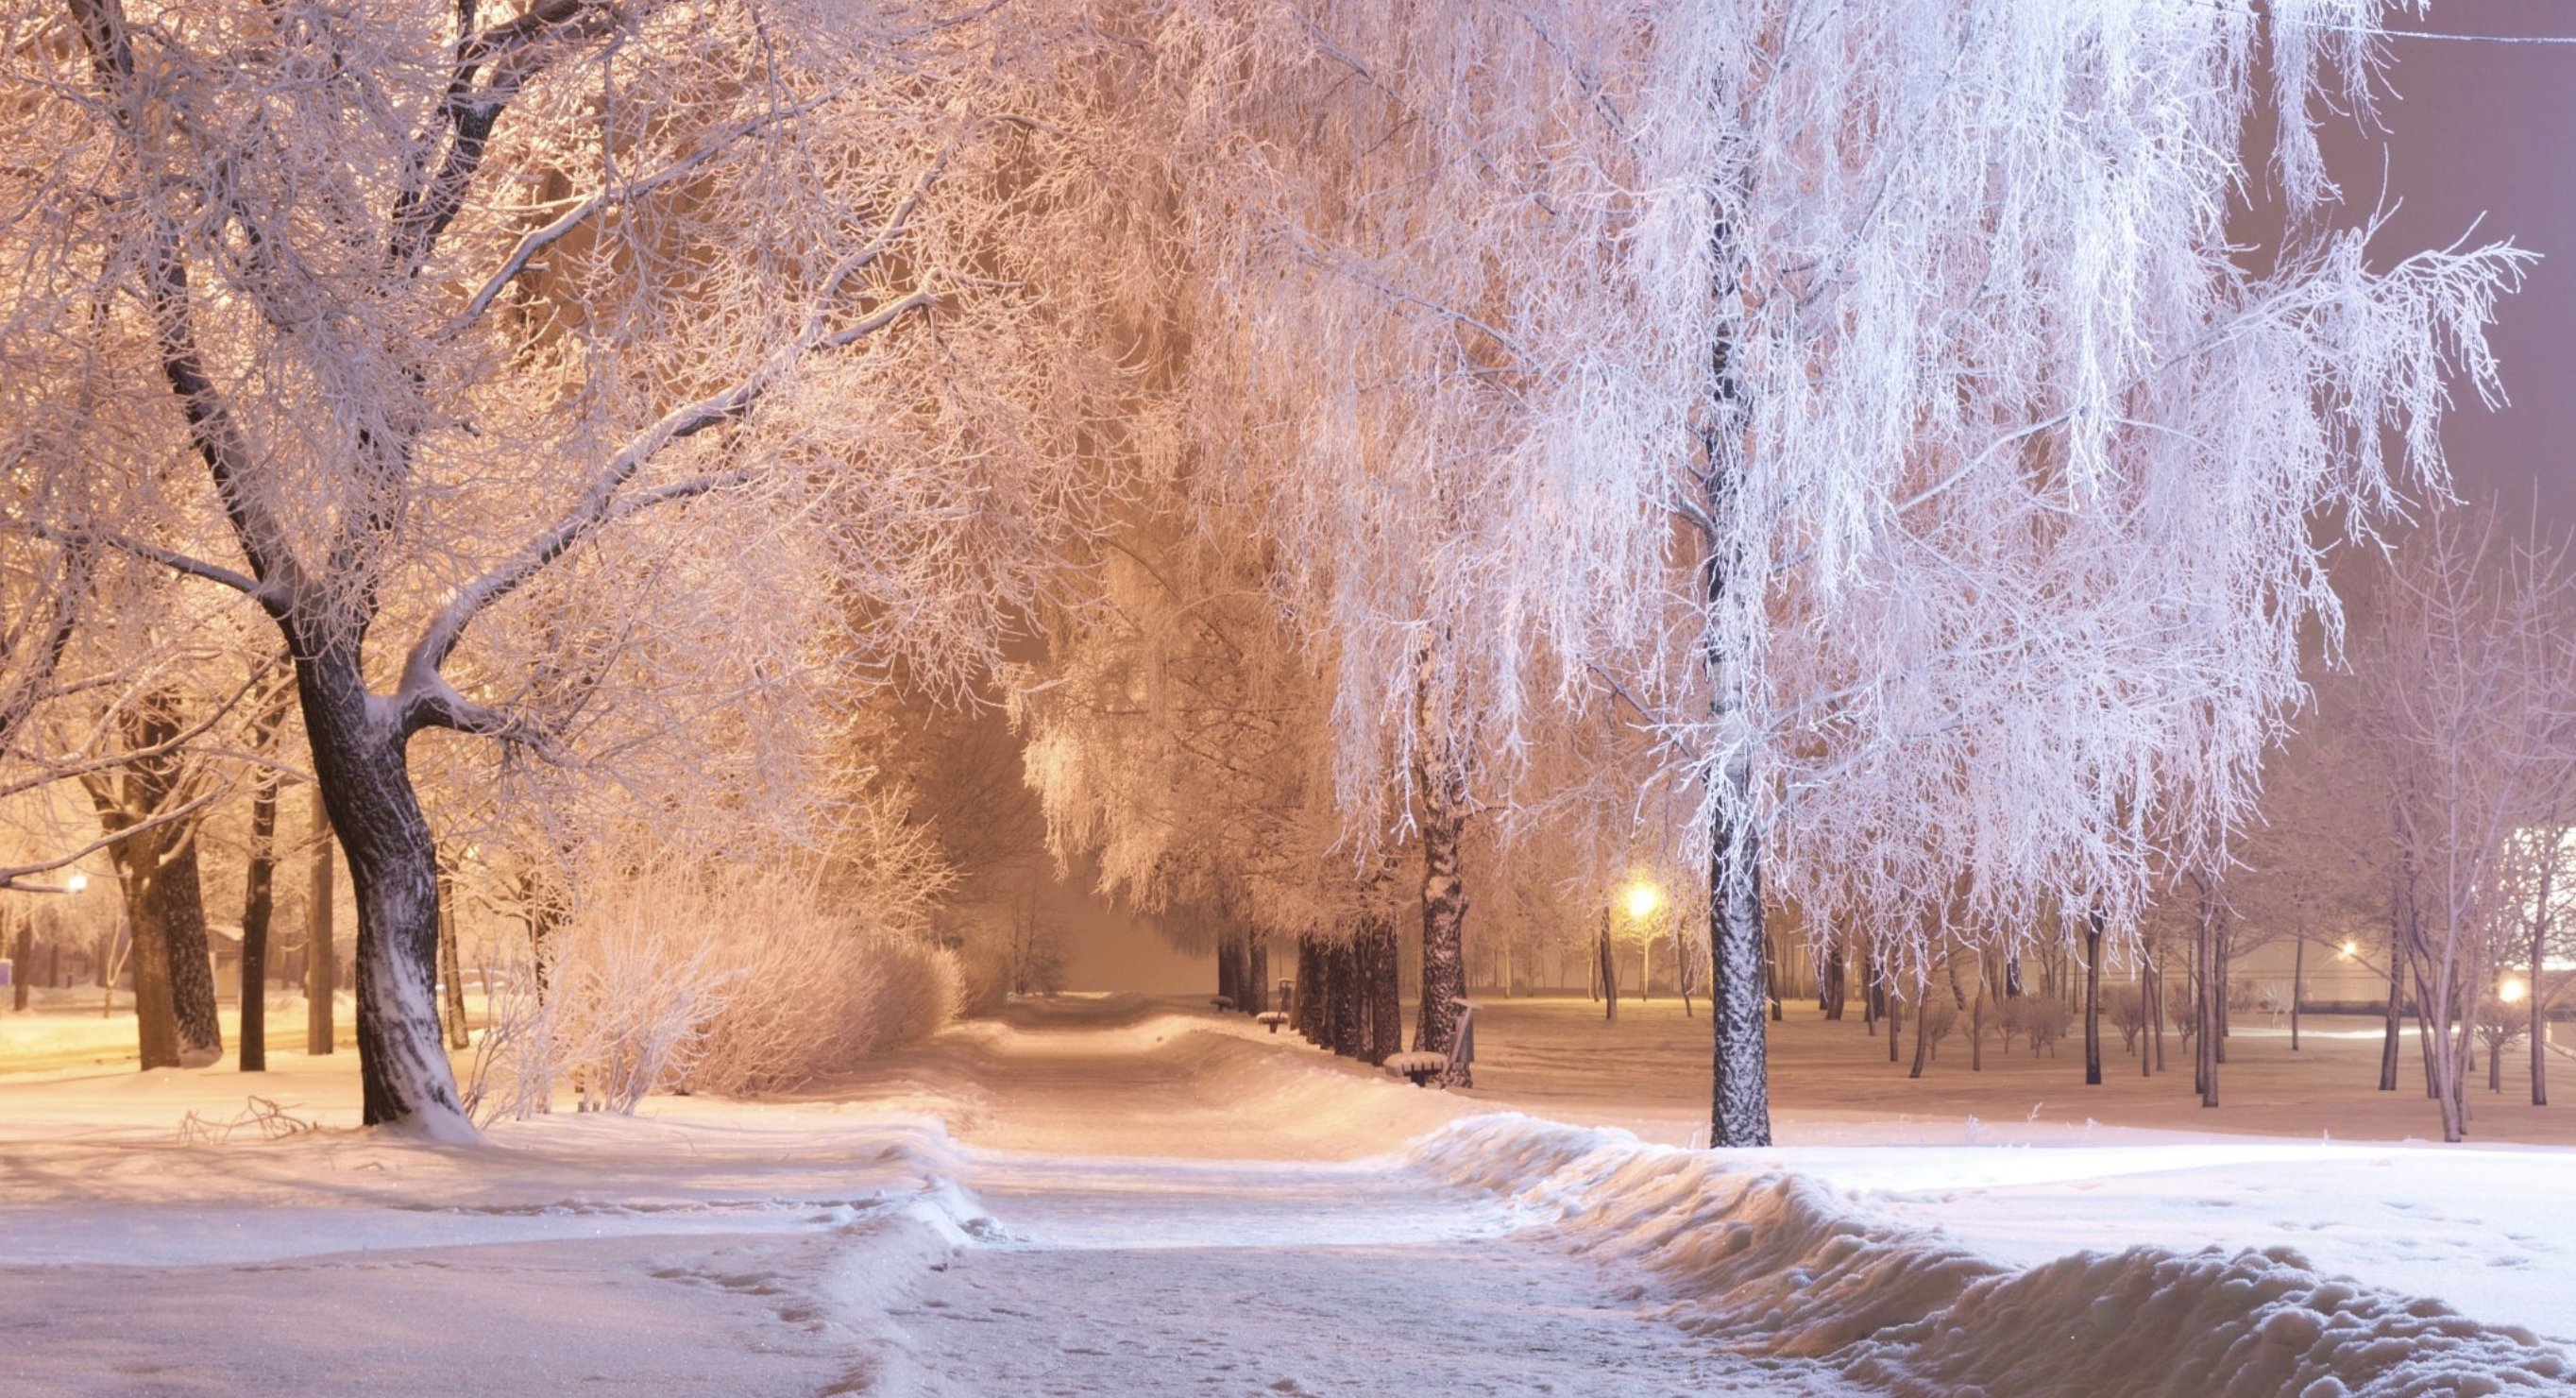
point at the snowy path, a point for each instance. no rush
(1257, 1271)
(1153, 1277)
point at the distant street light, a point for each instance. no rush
(2351, 949)
(1643, 899)
(76, 882)
(2512, 990)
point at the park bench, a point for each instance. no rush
(1423, 1067)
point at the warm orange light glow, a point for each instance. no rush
(2512, 990)
(77, 881)
(1643, 898)
(2351, 949)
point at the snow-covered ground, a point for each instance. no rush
(1115, 1196)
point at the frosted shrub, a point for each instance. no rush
(813, 992)
(726, 983)
(519, 1056)
(1940, 1016)
(635, 999)
(2126, 1008)
(2043, 1023)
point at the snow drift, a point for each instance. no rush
(1779, 1265)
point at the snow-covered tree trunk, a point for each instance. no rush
(1442, 825)
(1740, 1096)
(358, 757)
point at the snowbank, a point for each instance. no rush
(1780, 1264)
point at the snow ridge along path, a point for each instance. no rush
(1774, 1263)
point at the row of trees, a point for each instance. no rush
(1822, 456)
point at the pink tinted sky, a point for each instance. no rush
(2489, 129)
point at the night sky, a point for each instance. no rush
(2489, 129)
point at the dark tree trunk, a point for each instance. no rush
(2155, 993)
(2539, 1016)
(1922, 1041)
(1977, 1024)
(174, 983)
(2298, 986)
(1309, 992)
(1682, 967)
(2205, 1054)
(1831, 993)
(1606, 969)
(258, 902)
(156, 870)
(1381, 989)
(1873, 996)
(2093, 1001)
(1771, 977)
(2394, 1024)
(2222, 953)
(1350, 1002)
(321, 954)
(177, 902)
(1257, 976)
(22, 962)
(1226, 989)
(450, 962)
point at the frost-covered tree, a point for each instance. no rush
(1998, 469)
(1182, 738)
(2467, 672)
(515, 344)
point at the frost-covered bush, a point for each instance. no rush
(519, 1056)
(635, 999)
(814, 991)
(733, 983)
(2043, 1019)
(1940, 1016)
(2126, 1008)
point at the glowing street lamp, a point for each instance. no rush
(76, 882)
(2512, 990)
(1643, 899)
(2351, 949)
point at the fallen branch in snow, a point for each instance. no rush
(271, 1120)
